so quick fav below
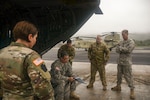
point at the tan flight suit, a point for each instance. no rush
(98, 55)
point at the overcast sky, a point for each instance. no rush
(133, 15)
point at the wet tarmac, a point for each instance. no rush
(141, 75)
(81, 68)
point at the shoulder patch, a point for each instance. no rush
(57, 68)
(38, 61)
(44, 67)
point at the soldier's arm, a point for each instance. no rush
(118, 47)
(1, 92)
(69, 71)
(55, 72)
(89, 51)
(39, 77)
(129, 48)
(106, 53)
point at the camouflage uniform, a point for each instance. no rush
(125, 49)
(98, 55)
(69, 50)
(60, 73)
(24, 74)
(1, 91)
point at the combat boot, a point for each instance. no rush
(116, 88)
(90, 86)
(132, 96)
(75, 96)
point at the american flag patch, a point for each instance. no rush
(38, 61)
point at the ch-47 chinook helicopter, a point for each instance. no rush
(111, 39)
(57, 20)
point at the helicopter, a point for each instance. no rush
(111, 39)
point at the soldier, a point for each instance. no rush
(125, 49)
(98, 54)
(69, 49)
(62, 77)
(1, 91)
(23, 73)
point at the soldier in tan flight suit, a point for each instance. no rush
(125, 49)
(23, 74)
(98, 54)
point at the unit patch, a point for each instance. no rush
(44, 67)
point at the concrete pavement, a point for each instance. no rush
(141, 75)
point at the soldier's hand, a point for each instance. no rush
(105, 63)
(70, 79)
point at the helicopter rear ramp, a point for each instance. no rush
(57, 20)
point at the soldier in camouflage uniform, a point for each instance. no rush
(23, 73)
(62, 77)
(125, 49)
(1, 91)
(98, 54)
(69, 49)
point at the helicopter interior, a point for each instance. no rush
(57, 20)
